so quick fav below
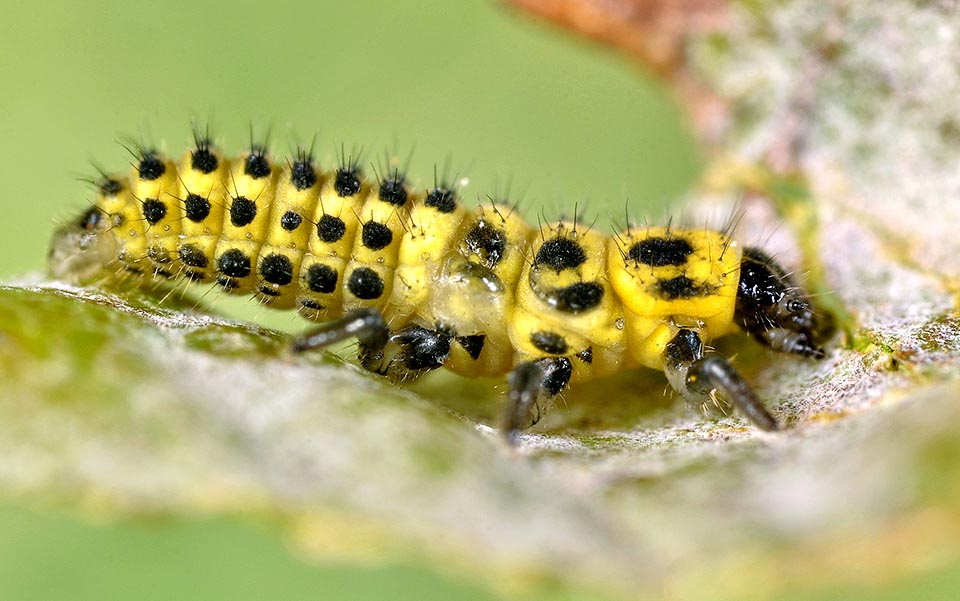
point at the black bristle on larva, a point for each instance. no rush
(202, 159)
(109, 186)
(347, 182)
(256, 164)
(442, 199)
(303, 174)
(150, 166)
(393, 190)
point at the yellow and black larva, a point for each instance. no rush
(422, 282)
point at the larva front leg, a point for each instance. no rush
(696, 376)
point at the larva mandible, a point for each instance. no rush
(422, 282)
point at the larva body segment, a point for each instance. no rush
(154, 185)
(668, 281)
(565, 306)
(116, 201)
(203, 197)
(251, 188)
(281, 256)
(422, 282)
(329, 245)
(368, 276)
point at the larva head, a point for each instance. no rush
(82, 248)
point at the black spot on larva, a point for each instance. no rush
(234, 263)
(110, 187)
(158, 254)
(268, 291)
(578, 297)
(151, 167)
(330, 228)
(321, 278)
(257, 165)
(442, 199)
(154, 210)
(290, 221)
(487, 242)
(559, 254)
(347, 182)
(473, 344)
(203, 160)
(658, 252)
(549, 342)
(227, 283)
(193, 256)
(678, 287)
(276, 269)
(197, 207)
(376, 235)
(393, 191)
(365, 284)
(309, 304)
(303, 175)
(242, 211)
(586, 355)
(90, 219)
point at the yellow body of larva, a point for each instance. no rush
(126, 224)
(161, 213)
(203, 198)
(700, 293)
(328, 243)
(594, 334)
(286, 241)
(246, 222)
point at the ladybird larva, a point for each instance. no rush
(422, 282)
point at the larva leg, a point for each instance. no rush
(533, 386)
(366, 325)
(696, 376)
(421, 350)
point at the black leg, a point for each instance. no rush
(774, 310)
(715, 373)
(421, 350)
(533, 386)
(696, 376)
(366, 325)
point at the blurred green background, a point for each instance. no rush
(499, 96)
